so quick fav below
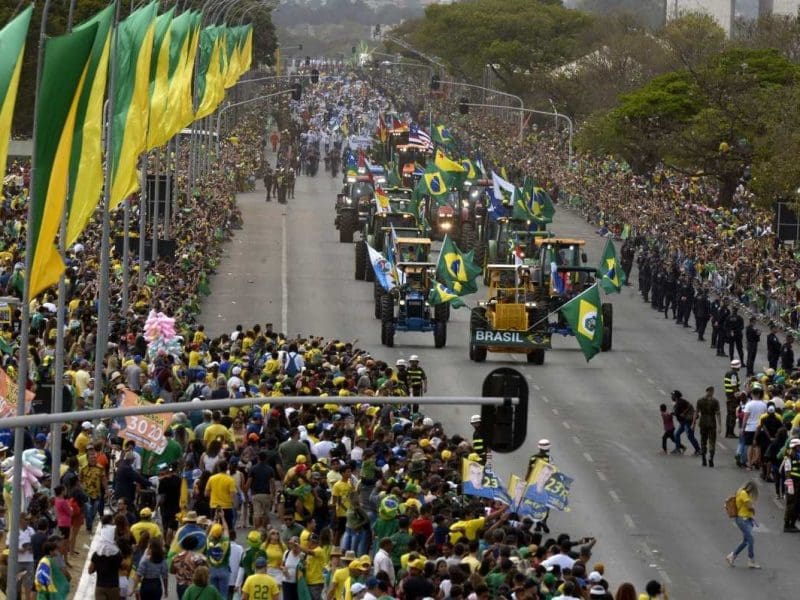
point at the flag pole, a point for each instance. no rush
(143, 196)
(156, 201)
(25, 333)
(105, 250)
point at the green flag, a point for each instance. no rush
(12, 47)
(440, 294)
(5, 348)
(585, 317)
(612, 276)
(539, 200)
(457, 269)
(442, 137)
(392, 176)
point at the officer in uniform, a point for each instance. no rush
(752, 336)
(773, 347)
(716, 305)
(707, 414)
(702, 312)
(644, 277)
(731, 383)
(722, 318)
(670, 291)
(656, 286)
(627, 253)
(791, 471)
(478, 446)
(543, 453)
(734, 327)
(685, 301)
(416, 378)
(268, 175)
(282, 187)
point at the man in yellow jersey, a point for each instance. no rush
(145, 524)
(220, 491)
(259, 585)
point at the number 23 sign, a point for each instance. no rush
(146, 430)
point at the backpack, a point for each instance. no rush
(730, 507)
(291, 364)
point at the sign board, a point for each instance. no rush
(6, 312)
(786, 223)
(166, 248)
(509, 338)
(146, 430)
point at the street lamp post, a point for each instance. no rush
(494, 91)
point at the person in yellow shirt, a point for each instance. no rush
(84, 438)
(221, 490)
(260, 585)
(200, 336)
(145, 524)
(217, 430)
(340, 495)
(315, 563)
(746, 498)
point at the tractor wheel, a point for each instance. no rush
(477, 320)
(608, 326)
(468, 239)
(387, 309)
(536, 357)
(379, 293)
(361, 260)
(481, 252)
(369, 272)
(383, 334)
(388, 333)
(348, 223)
(441, 312)
(440, 334)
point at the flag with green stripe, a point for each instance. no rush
(12, 47)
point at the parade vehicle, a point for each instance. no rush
(353, 206)
(509, 320)
(505, 240)
(408, 245)
(472, 213)
(406, 307)
(375, 232)
(560, 273)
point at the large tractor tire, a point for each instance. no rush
(469, 239)
(348, 224)
(481, 252)
(378, 298)
(440, 334)
(388, 334)
(536, 357)
(441, 312)
(608, 327)
(369, 272)
(476, 320)
(361, 260)
(387, 309)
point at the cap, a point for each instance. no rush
(236, 370)
(413, 358)
(400, 363)
(595, 577)
(735, 363)
(357, 588)
(87, 425)
(216, 530)
(145, 513)
(794, 443)
(260, 562)
(474, 419)
(544, 444)
(597, 591)
(41, 437)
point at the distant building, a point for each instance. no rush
(725, 12)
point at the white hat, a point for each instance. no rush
(595, 577)
(735, 363)
(544, 444)
(413, 358)
(236, 370)
(794, 443)
(357, 588)
(87, 425)
(400, 363)
(474, 419)
(427, 422)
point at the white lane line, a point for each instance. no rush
(614, 496)
(639, 370)
(545, 400)
(601, 476)
(284, 277)
(662, 392)
(721, 446)
(536, 387)
(577, 440)
(555, 411)
(629, 521)
(566, 425)
(588, 457)
(651, 381)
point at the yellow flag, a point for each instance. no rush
(12, 47)
(160, 93)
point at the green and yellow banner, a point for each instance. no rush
(12, 47)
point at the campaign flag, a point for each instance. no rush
(146, 430)
(8, 396)
(613, 277)
(516, 490)
(584, 315)
(12, 47)
(382, 267)
(547, 488)
(381, 200)
(476, 480)
(440, 294)
(456, 268)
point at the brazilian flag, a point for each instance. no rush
(539, 200)
(522, 211)
(440, 294)
(392, 176)
(585, 317)
(442, 137)
(612, 276)
(433, 184)
(472, 169)
(456, 268)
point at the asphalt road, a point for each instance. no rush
(656, 517)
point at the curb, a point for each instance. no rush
(87, 581)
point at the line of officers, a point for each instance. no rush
(668, 290)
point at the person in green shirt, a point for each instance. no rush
(253, 551)
(201, 589)
(400, 541)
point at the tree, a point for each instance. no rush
(705, 121)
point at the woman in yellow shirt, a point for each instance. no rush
(274, 549)
(746, 499)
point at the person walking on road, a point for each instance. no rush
(731, 384)
(791, 471)
(684, 412)
(708, 416)
(773, 347)
(752, 336)
(702, 312)
(668, 422)
(746, 498)
(734, 332)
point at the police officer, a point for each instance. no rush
(731, 384)
(773, 346)
(543, 453)
(707, 414)
(716, 305)
(478, 446)
(752, 335)
(702, 312)
(787, 355)
(645, 271)
(670, 287)
(416, 378)
(656, 286)
(791, 471)
(268, 176)
(722, 319)
(627, 253)
(685, 301)
(734, 328)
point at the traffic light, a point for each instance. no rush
(435, 83)
(504, 427)
(297, 91)
(314, 76)
(463, 105)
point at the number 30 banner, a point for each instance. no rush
(146, 430)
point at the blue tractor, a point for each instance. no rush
(406, 307)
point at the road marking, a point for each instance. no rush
(536, 387)
(284, 277)
(577, 440)
(614, 496)
(601, 476)
(651, 381)
(662, 392)
(588, 457)
(628, 359)
(545, 400)
(566, 425)
(721, 446)
(629, 521)
(555, 411)
(639, 370)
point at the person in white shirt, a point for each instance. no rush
(753, 409)
(383, 559)
(562, 559)
(373, 590)
(235, 562)
(322, 449)
(25, 554)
